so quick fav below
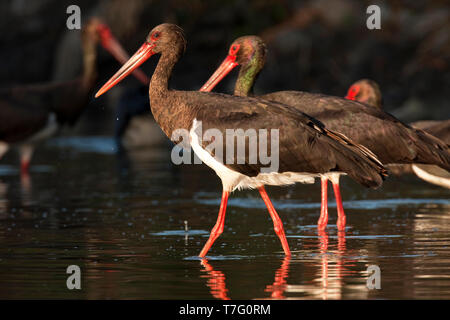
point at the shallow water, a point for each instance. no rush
(121, 219)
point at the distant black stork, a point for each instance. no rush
(306, 148)
(30, 114)
(390, 139)
(368, 92)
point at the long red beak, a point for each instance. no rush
(144, 52)
(116, 50)
(227, 65)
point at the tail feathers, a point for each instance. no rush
(431, 150)
(365, 167)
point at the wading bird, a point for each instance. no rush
(387, 137)
(368, 92)
(32, 113)
(306, 148)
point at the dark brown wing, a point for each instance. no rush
(18, 122)
(66, 99)
(304, 144)
(390, 139)
(439, 129)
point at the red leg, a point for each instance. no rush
(277, 224)
(24, 167)
(218, 228)
(26, 151)
(340, 208)
(323, 219)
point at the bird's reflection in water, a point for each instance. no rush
(279, 285)
(217, 284)
(331, 283)
(216, 281)
(3, 200)
(24, 201)
(26, 189)
(331, 266)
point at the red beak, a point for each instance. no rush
(144, 52)
(227, 65)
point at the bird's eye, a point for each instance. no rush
(234, 49)
(156, 35)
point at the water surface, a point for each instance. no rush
(121, 219)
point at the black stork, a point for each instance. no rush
(306, 148)
(368, 92)
(391, 140)
(32, 113)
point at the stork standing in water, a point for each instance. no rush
(367, 91)
(391, 140)
(32, 113)
(306, 148)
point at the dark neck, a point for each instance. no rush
(73, 98)
(160, 79)
(89, 65)
(163, 103)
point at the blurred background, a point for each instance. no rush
(318, 46)
(122, 216)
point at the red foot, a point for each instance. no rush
(341, 223)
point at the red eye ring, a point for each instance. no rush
(156, 35)
(234, 49)
(353, 92)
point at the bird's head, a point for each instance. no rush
(248, 52)
(365, 91)
(163, 39)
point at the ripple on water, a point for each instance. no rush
(179, 233)
(97, 144)
(219, 257)
(354, 204)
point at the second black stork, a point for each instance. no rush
(387, 137)
(368, 92)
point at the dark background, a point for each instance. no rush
(319, 46)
